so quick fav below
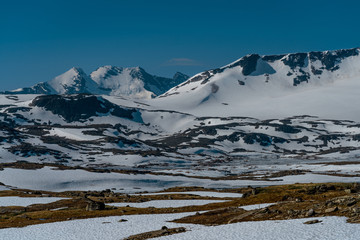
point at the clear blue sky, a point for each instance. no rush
(42, 39)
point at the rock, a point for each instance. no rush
(348, 191)
(330, 210)
(310, 213)
(254, 191)
(93, 205)
(351, 202)
(245, 195)
(264, 210)
(355, 210)
(285, 197)
(322, 188)
(313, 221)
(180, 229)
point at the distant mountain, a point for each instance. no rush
(108, 80)
(133, 81)
(255, 85)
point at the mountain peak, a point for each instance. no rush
(180, 77)
(72, 81)
(255, 76)
(77, 70)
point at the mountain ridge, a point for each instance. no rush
(295, 61)
(133, 82)
(301, 83)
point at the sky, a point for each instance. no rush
(42, 39)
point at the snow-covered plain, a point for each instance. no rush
(165, 203)
(26, 201)
(93, 228)
(331, 228)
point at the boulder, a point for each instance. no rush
(94, 206)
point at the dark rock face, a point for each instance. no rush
(248, 63)
(316, 71)
(180, 77)
(27, 150)
(80, 107)
(329, 137)
(272, 58)
(302, 77)
(287, 129)
(330, 59)
(263, 139)
(295, 60)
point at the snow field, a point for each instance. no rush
(331, 228)
(26, 201)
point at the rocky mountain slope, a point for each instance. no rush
(109, 80)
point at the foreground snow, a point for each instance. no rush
(26, 201)
(332, 228)
(95, 228)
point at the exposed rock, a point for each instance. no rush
(330, 210)
(158, 233)
(310, 213)
(312, 221)
(348, 191)
(80, 107)
(94, 206)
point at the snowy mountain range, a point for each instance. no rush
(302, 105)
(108, 80)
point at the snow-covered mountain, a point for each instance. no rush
(134, 82)
(107, 80)
(73, 81)
(274, 86)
